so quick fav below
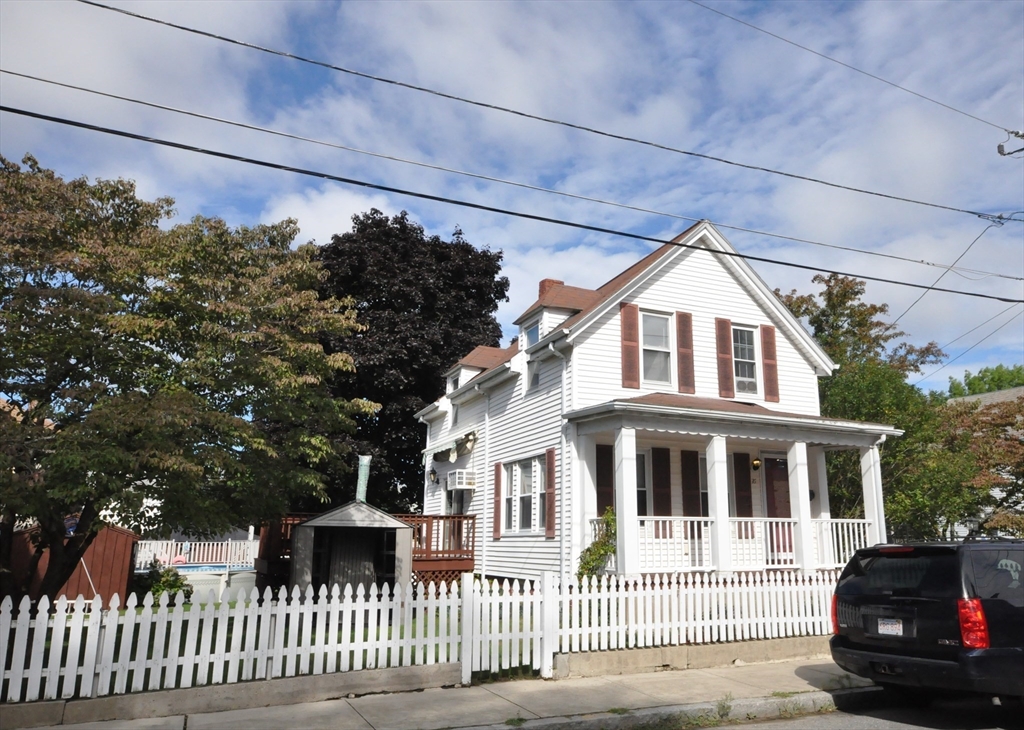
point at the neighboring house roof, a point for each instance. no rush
(674, 404)
(996, 396)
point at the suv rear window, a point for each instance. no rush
(997, 574)
(921, 574)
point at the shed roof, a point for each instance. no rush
(355, 514)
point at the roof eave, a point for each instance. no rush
(618, 407)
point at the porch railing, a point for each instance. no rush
(236, 554)
(836, 540)
(762, 543)
(674, 543)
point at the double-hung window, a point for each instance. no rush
(657, 353)
(524, 497)
(744, 360)
(641, 485)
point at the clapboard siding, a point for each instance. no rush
(695, 283)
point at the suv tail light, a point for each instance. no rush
(973, 625)
(835, 614)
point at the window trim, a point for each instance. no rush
(753, 331)
(668, 350)
(512, 524)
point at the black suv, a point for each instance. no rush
(921, 619)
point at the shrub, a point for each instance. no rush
(594, 558)
(159, 579)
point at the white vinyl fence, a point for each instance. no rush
(71, 649)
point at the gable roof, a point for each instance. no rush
(355, 514)
(590, 303)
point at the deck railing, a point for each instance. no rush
(442, 537)
(236, 554)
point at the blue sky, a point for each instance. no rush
(668, 72)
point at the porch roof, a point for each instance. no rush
(666, 406)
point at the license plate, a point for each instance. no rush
(890, 626)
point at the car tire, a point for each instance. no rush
(909, 696)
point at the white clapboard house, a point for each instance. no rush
(683, 395)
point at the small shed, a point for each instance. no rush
(103, 570)
(356, 544)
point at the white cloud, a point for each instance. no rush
(675, 74)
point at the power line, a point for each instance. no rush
(969, 247)
(527, 115)
(977, 327)
(265, 130)
(852, 68)
(936, 372)
(467, 204)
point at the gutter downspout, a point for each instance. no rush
(487, 465)
(564, 470)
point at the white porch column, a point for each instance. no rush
(819, 482)
(800, 505)
(718, 504)
(627, 549)
(584, 493)
(871, 480)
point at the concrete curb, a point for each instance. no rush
(222, 697)
(707, 714)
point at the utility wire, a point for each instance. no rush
(969, 247)
(936, 372)
(535, 117)
(978, 327)
(473, 206)
(265, 130)
(852, 68)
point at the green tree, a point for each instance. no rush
(987, 380)
(426, 303)
(165, 378)
(927, 473)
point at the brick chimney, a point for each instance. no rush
(547, 285)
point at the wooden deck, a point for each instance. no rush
(443, 546)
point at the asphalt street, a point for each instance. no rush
(960, 714)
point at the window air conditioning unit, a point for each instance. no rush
(461, 479)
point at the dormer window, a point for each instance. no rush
(532, 333)
(453, 382)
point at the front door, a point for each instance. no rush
(780, 534)
(776, 485)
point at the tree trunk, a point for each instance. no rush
(65, 552)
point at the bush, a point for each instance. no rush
(159, 579)
(594, 558)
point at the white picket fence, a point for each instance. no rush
(70, 649)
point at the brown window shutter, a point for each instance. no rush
(629, 315)
(769, 364)
(723, 338)
(605, 478)
(691, 483)
(684, 352)
(496, 527)
(549, 493)
(661, 480)
(741, 474)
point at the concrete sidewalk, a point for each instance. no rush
(735, 692)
